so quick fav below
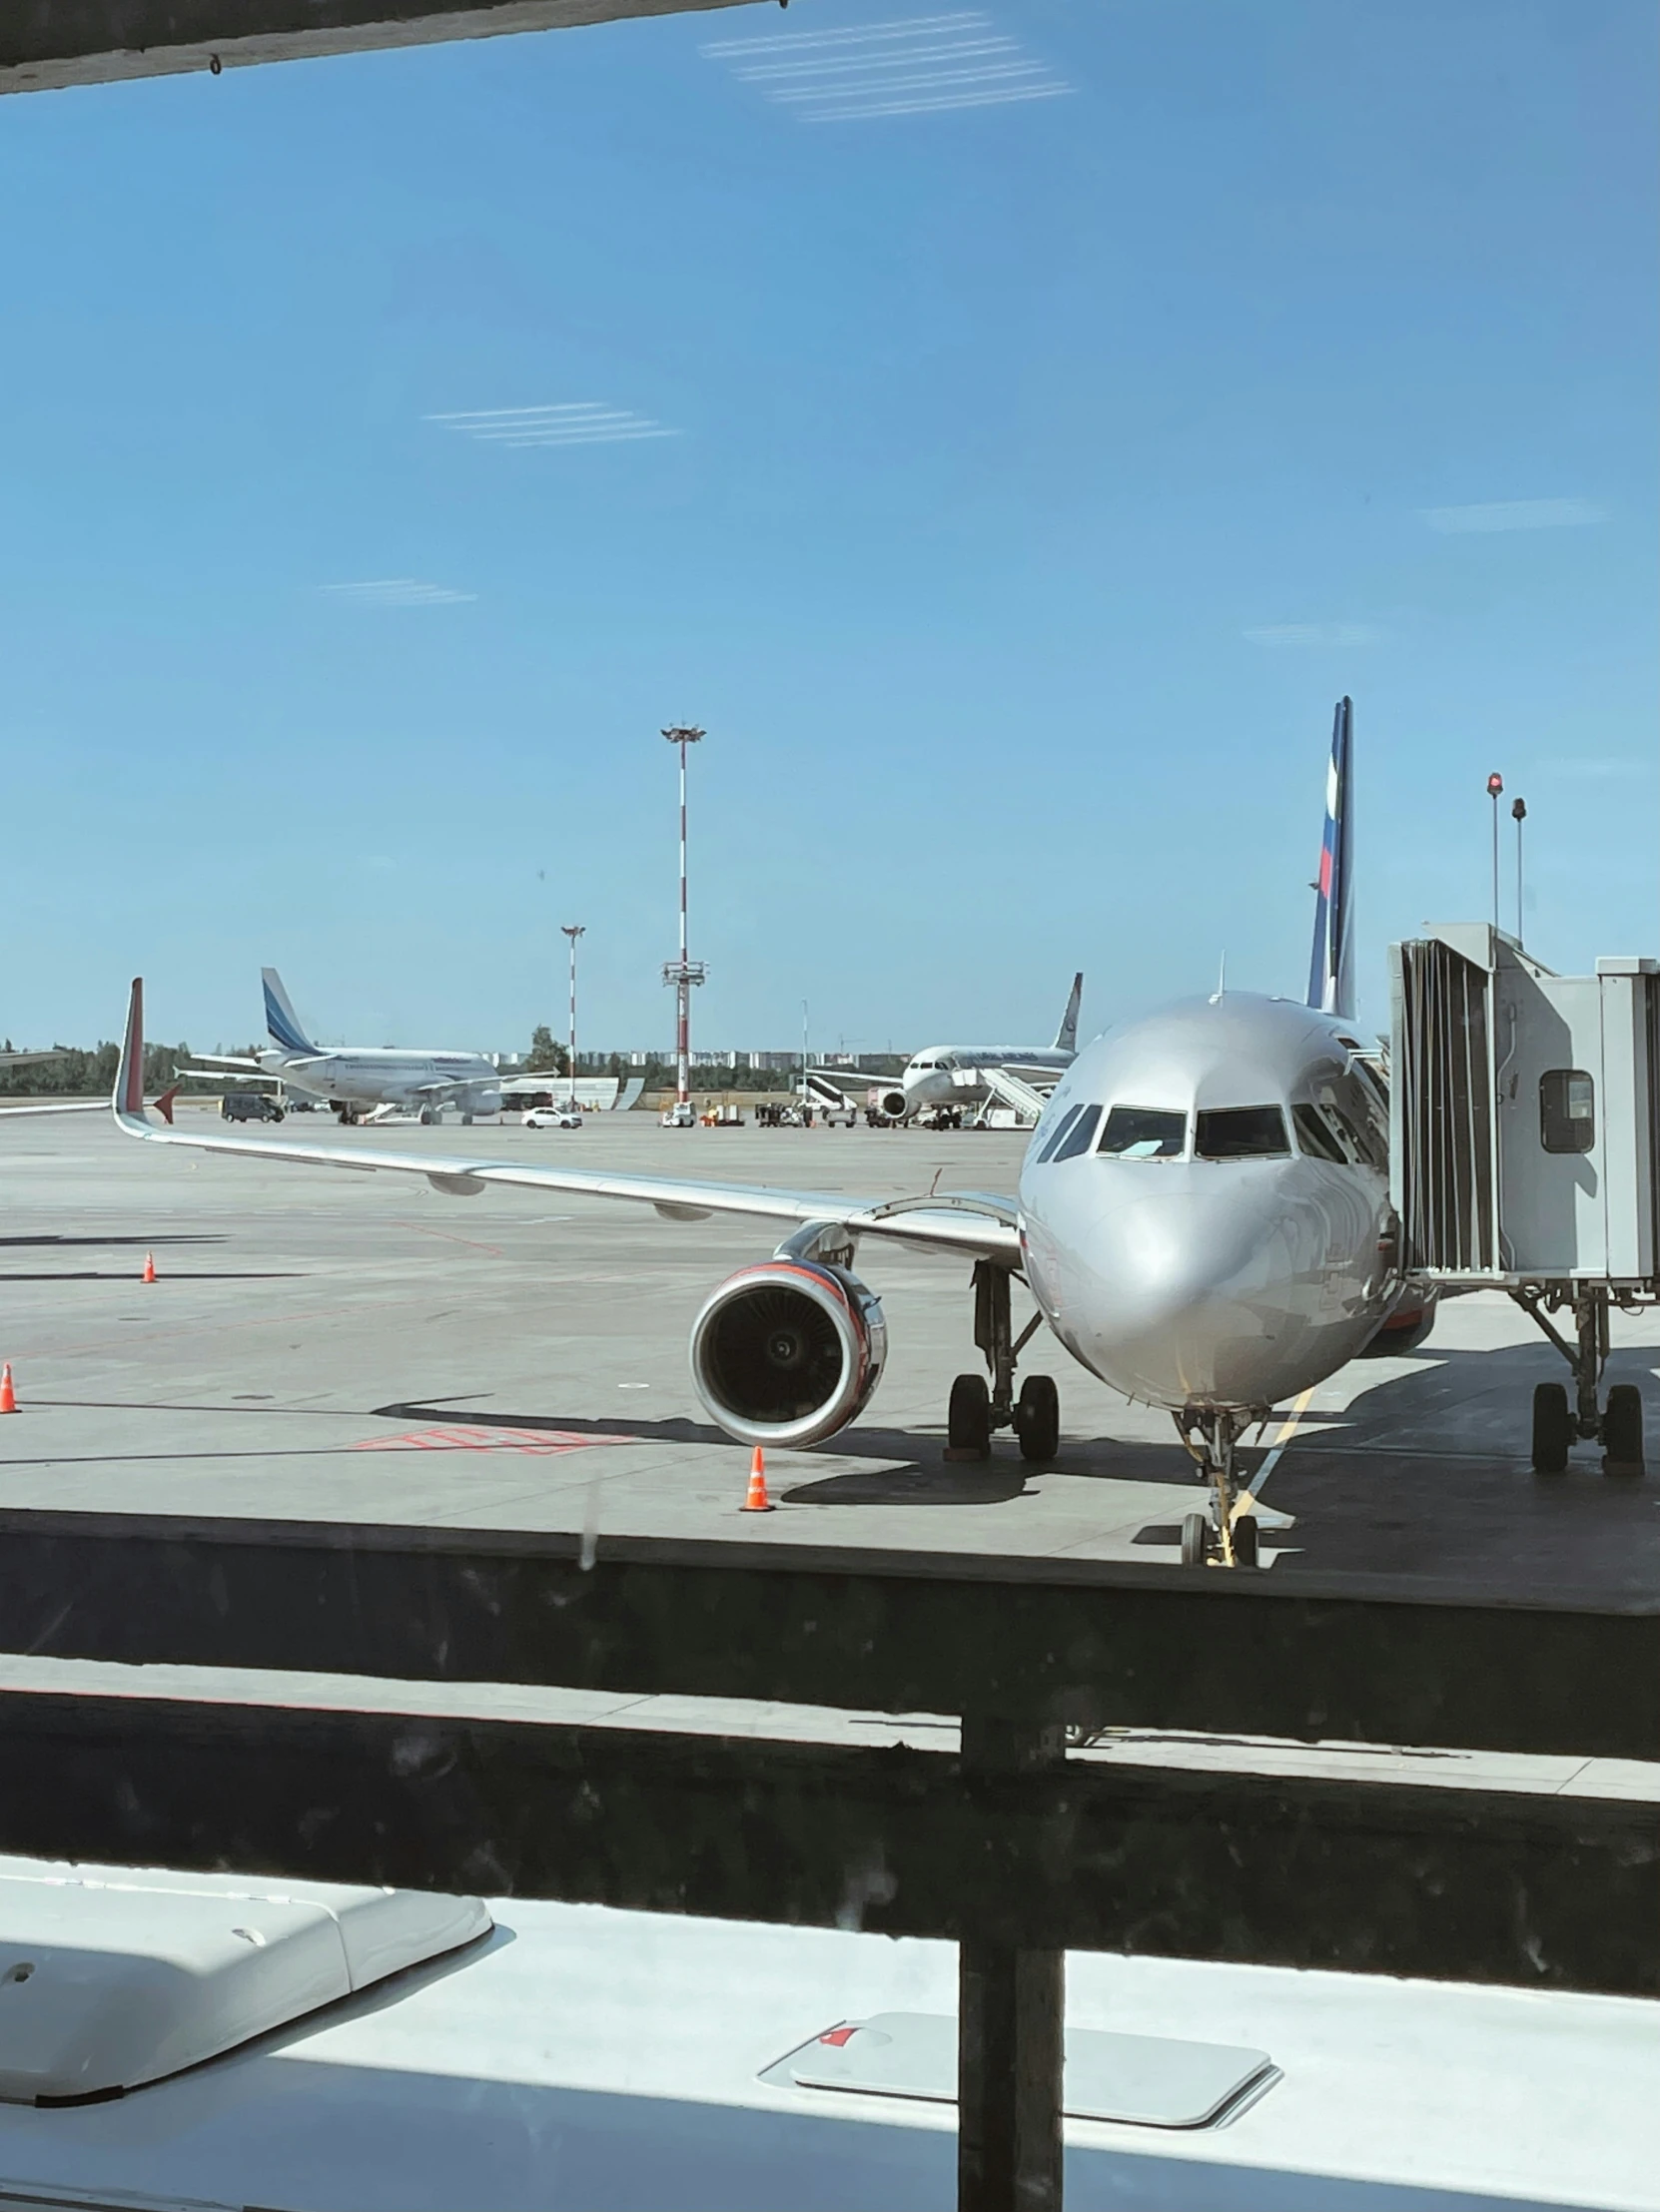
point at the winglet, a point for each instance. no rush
(1332, 968)
(1065, 1037)
(128, 1097)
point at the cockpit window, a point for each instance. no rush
(1315, 1138)
(1058, 1131)
(1241, 1133)
(1076, 1139)
(1144, 1132)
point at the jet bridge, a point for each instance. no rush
(1525, 1152)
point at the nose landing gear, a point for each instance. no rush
(1557, 1425)
(979, 1407)
(1227, 1536)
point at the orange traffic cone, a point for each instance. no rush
(148, 1275)
(8, 1396)
(756, 1500)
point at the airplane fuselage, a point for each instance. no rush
(390, 1076)
(1234, 1244)
(944, 1074)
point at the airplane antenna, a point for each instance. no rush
(1221, 982)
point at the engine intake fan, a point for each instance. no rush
(788, 1352)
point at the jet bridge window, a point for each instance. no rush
(1567, 1111)
(1080, 1137)
(1144, 1132)
(1241, 1133)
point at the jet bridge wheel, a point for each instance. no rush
(1622, 1431)
(1196, 1539)
(1038, 1418)
(967, 1421)
(1552, 1429)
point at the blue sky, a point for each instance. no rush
(1034, 474)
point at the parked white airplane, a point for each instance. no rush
(1203, 1218)
(354, 1076)
(967, 1075)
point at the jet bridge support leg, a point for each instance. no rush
(1618, 1423)
(1011, 2015)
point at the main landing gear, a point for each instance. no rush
(977, 1406)
(1227, 1535)
(1557, 1425)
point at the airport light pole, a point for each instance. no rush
(1495, 790)
(1519, 815)
(683, 972)
(572, 930)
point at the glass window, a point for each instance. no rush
(1567, 1111)
(1078, 1138)
(1358, 1117)
(1314, 1138)
(1058, 1131)
(1241, 1133)
(1144, 1132)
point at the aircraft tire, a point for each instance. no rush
(1622, 1431)
(967, 1421)
(1245, 1535)
(1196, 1539)
(1038, 1418)
(1552, 1430)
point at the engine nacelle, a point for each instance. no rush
(895, 1105)
(788, 1352)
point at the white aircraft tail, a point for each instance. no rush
(280, 1017)
(1065, 1037)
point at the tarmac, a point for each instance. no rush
(326, 1345)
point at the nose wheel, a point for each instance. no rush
(979, 1407)
(1228, 1535)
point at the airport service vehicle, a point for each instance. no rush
(1202, 1220)
(681, 1115)
(249, 1105)
(350, 1077)
(553, 1118)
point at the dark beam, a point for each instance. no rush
(1540, 1891)
(1303, 1656)
(46, 45)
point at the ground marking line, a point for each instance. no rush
(1287, 1429)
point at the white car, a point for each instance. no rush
(553, 1118)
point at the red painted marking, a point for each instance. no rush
(838, 2036)
(1325, 871)
(539, 1443)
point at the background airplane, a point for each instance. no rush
(352, 1077)
(975, 1075)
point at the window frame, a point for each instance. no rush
(1124, 1106)
(1274, 1106)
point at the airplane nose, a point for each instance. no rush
(1190, 1288)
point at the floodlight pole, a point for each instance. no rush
(683, 972)
(1495, 788)
(1519, 815)
(572, 930)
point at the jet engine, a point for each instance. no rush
(895, 1105)
(788, 1352)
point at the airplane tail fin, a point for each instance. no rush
(1332, 969)
(280, 1017)
(1065, 1037)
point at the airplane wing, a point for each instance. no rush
(163, 1105)
(28, 1060)
(974, 1223)
(227, 1060)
